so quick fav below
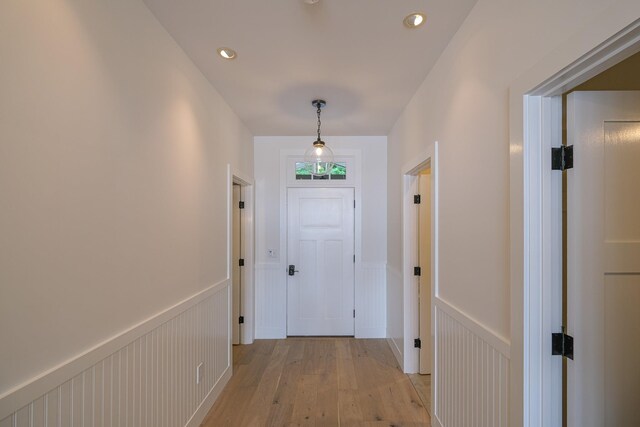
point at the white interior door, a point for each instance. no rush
(320, 294)
(424, 251)
(236, 273)
(603, 259)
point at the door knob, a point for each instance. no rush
(292, 270)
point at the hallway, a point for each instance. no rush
(317, 381)
(128, 270)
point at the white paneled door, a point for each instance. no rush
(603, 259)
(320, 253)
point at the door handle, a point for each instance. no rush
(292, 270)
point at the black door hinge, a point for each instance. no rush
(354, 204)
(562, 345)
(417, 343)
(562, 158)
(241, 319)
(241, 262)
(417, 271)
(354, 313)
(416, 199)
(241, 205)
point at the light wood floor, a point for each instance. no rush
(422, 384)
(317, 382)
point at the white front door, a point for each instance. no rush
(320, 247)
(603, 259)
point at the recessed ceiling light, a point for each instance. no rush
(311, 1)
(414, 20)
(227, 53)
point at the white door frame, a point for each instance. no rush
(411, 327)
(247, 225)
(535, 209)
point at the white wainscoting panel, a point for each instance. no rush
(151, 381)
(395, 313)
(471, 372)
(271, 301)
(371, 300)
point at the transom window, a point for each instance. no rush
(338, 172)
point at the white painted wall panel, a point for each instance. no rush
(471, 379)
(150, 381)
(271, 291)
(395, 329)
(371, 300)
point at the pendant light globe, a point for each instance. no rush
(319, 158)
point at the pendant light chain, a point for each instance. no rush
(319, 157)
(319, 122)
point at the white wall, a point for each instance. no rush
(464, 104)
(113, 154)
(270, 272)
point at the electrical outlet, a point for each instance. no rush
(199, 372)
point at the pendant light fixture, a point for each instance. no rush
(319, 157)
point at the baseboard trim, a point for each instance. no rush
(396, 352)
(371, 333)
(270, 334)
(30, 390)
(208, 401)
(492, 338)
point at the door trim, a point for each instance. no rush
(247, 304)
(534, 118)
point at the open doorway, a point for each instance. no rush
(240, 252)
(595, 183)
(422, 380)
(420, 245)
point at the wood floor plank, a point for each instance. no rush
(317, 382)
(284, 397)
(349, 407)
(346, 372)
(422, 384)
(263, 397)
(305, 401)
(327, 410)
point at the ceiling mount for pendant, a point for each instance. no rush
(319, 157)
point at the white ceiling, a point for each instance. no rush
(356, 54)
